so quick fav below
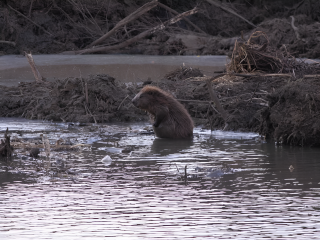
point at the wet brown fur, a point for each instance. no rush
(171, 119)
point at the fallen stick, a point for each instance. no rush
(252, 75)
(260, 75)
(221, 99)
(213, 107)
(89, 112)
(34, 69)
(194, 101)
(30, 8)
(30, 20)
(185, 19)
(122, 102)
(261, 99)
(8, 42)
(295, 29)
(312, 76)
(143, 9)
(313, 61)
(220, 5)
(138, 37)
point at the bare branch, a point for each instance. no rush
(216, 101)
(143, 9)
(220, 5)
(29, 20)
(139, 36)
(34, 69)
(185, 19)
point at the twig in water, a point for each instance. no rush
(177, 168)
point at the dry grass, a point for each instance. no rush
(256, 55)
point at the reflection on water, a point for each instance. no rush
(139, 192)
(164, 147)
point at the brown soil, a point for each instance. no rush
(56, 26)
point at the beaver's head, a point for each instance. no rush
(147, 97)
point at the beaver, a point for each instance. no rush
(171, 119)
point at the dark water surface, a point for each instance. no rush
(237, 188)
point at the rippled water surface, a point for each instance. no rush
(129, 185)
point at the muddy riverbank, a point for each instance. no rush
(265, 90)
(279, 108)
(50, 27)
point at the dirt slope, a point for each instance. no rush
(56, 26)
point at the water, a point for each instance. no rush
(126, 68)
(140, 192)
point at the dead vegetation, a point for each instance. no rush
(183, 73)
(264, 90)
(36, 144)
(256, 56)
(44, 156)
(154, 27)
(293, 114)
(281, 108)
(292, 107)
(95, 99)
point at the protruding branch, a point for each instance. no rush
(185, 19)
(34, 69)
(216, 101)
(295, 29)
